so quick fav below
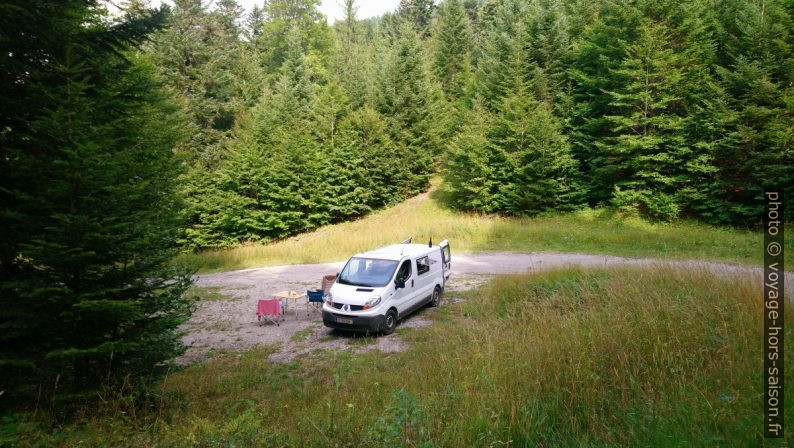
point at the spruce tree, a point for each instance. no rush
(388, 178)
(540, 173)
(287, 16)
(597, 55)
(516, 161)
(254, 23)
(87, 297)
(352, 65)
(418, 13)
(549, 49)
(265, 178)
(202, 58)
(646, 157)
(411, 103)
(475, 171)
(502, 63)
(755, 67)
(453, 58)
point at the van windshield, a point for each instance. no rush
(367, 272)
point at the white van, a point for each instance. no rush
(378, 288)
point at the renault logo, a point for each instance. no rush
(346, 307)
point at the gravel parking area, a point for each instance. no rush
(231, 325)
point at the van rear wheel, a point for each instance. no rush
(435, 300)
(390, 322)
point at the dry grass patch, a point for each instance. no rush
(425, 216)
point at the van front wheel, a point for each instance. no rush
(390, 322)
(436, 299)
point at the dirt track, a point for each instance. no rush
(231, 324)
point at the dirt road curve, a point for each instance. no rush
(231, 325)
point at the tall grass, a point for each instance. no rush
(425, 216)
(570, 358)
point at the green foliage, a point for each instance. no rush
(659, 109)
(755, 71)
(307, 155)
(87, 295)
(291, 16)
(649, 149)
(541, 171)
(475, 171)
(202, 59)
(666, 134)
(410, 100)
(671, 109)
(352, 59)
(549, 44)
(453, 53)
(418, 13)
(502, 63)
(274, 123)
(402, 421)
(519, 163)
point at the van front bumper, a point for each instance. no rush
(371, 324)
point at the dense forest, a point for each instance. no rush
(666, 109)
(129, 135)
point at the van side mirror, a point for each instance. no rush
(399, 283)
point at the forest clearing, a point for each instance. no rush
(610, 175)
(224, 321)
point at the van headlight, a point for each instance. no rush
(372, 303)
(329, 299)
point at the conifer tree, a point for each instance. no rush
(540, 171)
(90, 217)
(503, 63)
(286, 107)
(476, 171)
(352, 66)
(419, 13)
(516, 161)
(345, 190)
(389, 179)
(597, 55)
(203, 60)
(263, 180)
(292, 16)
(254, 23)
(410, 101)
(646, 159)
(549, 47)
(755, 58)
(453, 57)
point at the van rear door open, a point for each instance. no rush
(446, 258)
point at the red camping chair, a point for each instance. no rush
(269, 310)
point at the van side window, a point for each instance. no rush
(422, 265)
(404, 273)
(446, 255)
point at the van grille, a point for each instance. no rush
(352, 307)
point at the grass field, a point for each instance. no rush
(570, 358)
(424, 216)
